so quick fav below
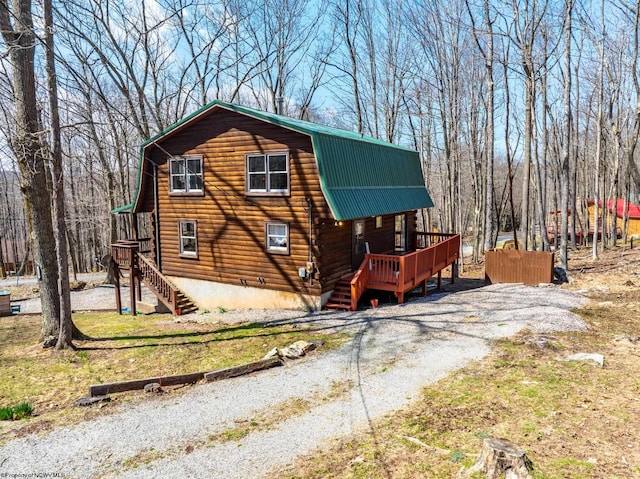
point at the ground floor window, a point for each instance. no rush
(188, 238)
(277, 237)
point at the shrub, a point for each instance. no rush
(16, 413)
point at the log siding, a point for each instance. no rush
(231, 222)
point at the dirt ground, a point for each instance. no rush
(573, 419)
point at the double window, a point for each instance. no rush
(185, 175)
(268, 173)
(188, 238)
(277, 237)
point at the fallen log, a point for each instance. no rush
(243, 369)
(501, 458)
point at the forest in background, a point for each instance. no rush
(507, 101)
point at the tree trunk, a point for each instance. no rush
(30, 156)
(502, 459)
(66, 325)
(566, 147)
(490, 207)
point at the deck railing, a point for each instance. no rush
(426, 239)
(120, 250)
(359, 284)
(123, 253)
(401, 274)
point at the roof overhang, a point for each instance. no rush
(360, 176)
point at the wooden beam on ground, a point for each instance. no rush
(244, 369)
(135, 384)
(121, 386)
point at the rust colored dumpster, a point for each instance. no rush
(5, 302)
(518, 266)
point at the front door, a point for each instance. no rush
(401, 233)
(358, 249)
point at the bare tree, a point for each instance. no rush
(566, 150)
(16, 25)
(280, 35)
(486, 49)
(347, 16)
(66, 325)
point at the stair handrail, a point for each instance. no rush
(155, 280)
(359, 282)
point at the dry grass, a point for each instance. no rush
(122, 348)
(574, 419)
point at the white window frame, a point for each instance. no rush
(186, 175)
(267, 190)
(181, 238)
(268, 235)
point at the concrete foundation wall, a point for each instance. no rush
(210, 295)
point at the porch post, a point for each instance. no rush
(117, 285)
(138, 287)
(133, 273)
(134, 224)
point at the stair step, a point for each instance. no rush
(340, 300)
(341, 296)
(336, 307)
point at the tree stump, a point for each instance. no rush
(502, 459)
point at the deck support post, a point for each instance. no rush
(439, 279)
(454, 269)
(400, 296)
(424, 287)
(117, 285)
(139, 287)
(133, 274)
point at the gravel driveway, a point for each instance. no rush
(100, 298)
(396, 351)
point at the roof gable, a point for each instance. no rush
(360, 176)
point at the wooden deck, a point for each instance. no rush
(401, 274)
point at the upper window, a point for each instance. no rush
(185, 174)
(277, 236)
(188, 238)
(268, 173)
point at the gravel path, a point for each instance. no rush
(100, 298)
(396, 351)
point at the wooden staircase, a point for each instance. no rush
(126, 256)
(174, 299)
(340, 299)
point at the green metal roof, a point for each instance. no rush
(360, 176)
(122, 209)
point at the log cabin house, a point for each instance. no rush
(618, 209)
(257, 210)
